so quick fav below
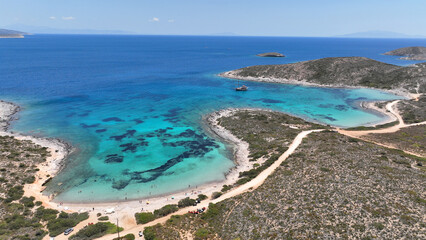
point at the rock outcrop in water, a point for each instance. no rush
(270, 54)
(341, 72)
(409, 53)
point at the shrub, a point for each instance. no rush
(216, 195)
(226, 188)
(202, 197)
(186, 202)
(144, 217)
(28, 201)
(95, 231)
(14, 193)
(202, 233)
(212, 211)
(129, 236)
(149, 233)
(45, 214)
(104, 218)
(64, 221)
(166, 210)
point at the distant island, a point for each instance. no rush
(6, 33)
(378, 34)
(339, 72)
(270, 54)
(409, 53)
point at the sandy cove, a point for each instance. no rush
(123, 210)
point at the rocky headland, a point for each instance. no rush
(340, 72)
(409, 53)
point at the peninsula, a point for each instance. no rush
(339, 72)
(409, 53)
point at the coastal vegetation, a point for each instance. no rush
(340, 71)
(18, 166)
(96, 230)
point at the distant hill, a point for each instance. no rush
(409, 53)
(379, 34)
(340, 72)
(48, 30)
(7, 33)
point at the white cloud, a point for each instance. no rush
(68, 18)
(154, 19)
(52, 17)
(171, 21)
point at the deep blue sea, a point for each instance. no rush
(133, 105)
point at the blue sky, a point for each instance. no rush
(205, 17)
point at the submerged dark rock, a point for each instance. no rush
(100, 130)
(129, 133)
(113, 158)
(113, 119)
(89, 126)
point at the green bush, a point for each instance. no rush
(46, 214)
(166, 210)
(129, 236)
(103, 218)
(216, 195)
(202, 197)
(202, 233)
(212, 211)
(65, 221)
(226, 188)
(28, 201)
(144, 217)
(149, 233)
(14, 193)
(186, 202)
(95, 231)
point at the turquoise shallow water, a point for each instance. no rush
(133, 105)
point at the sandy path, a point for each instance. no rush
(390, 107)
(249, 186)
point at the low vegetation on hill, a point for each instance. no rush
(413, 111)
(411, 139)
(332, 187)
(340, 71)
(22, 217)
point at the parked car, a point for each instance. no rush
(68, 231)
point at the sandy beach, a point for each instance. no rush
(123, 210)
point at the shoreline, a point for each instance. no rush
(231, 75)
(123, 210)
(58, 149)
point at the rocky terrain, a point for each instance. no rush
(340, 72)
(409, 53)
(332, 187)
(270, 54)
(411, 139)
(413, 111)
